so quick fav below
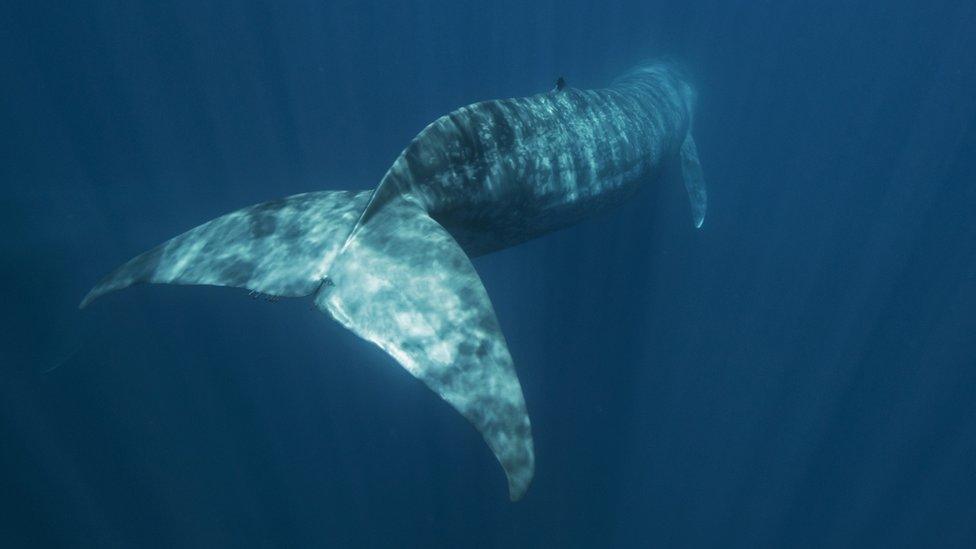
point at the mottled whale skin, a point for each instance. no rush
(498, 173)
(393, 264)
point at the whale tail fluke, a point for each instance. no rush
(691, 172)
(404, 283)
(400, 281)
(278, 248)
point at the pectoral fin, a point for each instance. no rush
(691, 172)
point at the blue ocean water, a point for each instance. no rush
(799, 373)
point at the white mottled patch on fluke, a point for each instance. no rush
(431, 313)
(278, 248)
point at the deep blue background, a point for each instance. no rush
(801, 372)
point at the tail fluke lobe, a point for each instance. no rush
(278, 248)
(403, 283)
(691, 172)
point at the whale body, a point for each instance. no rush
(393, 264)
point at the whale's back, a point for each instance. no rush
(497, 173)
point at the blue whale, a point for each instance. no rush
(393, 264)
